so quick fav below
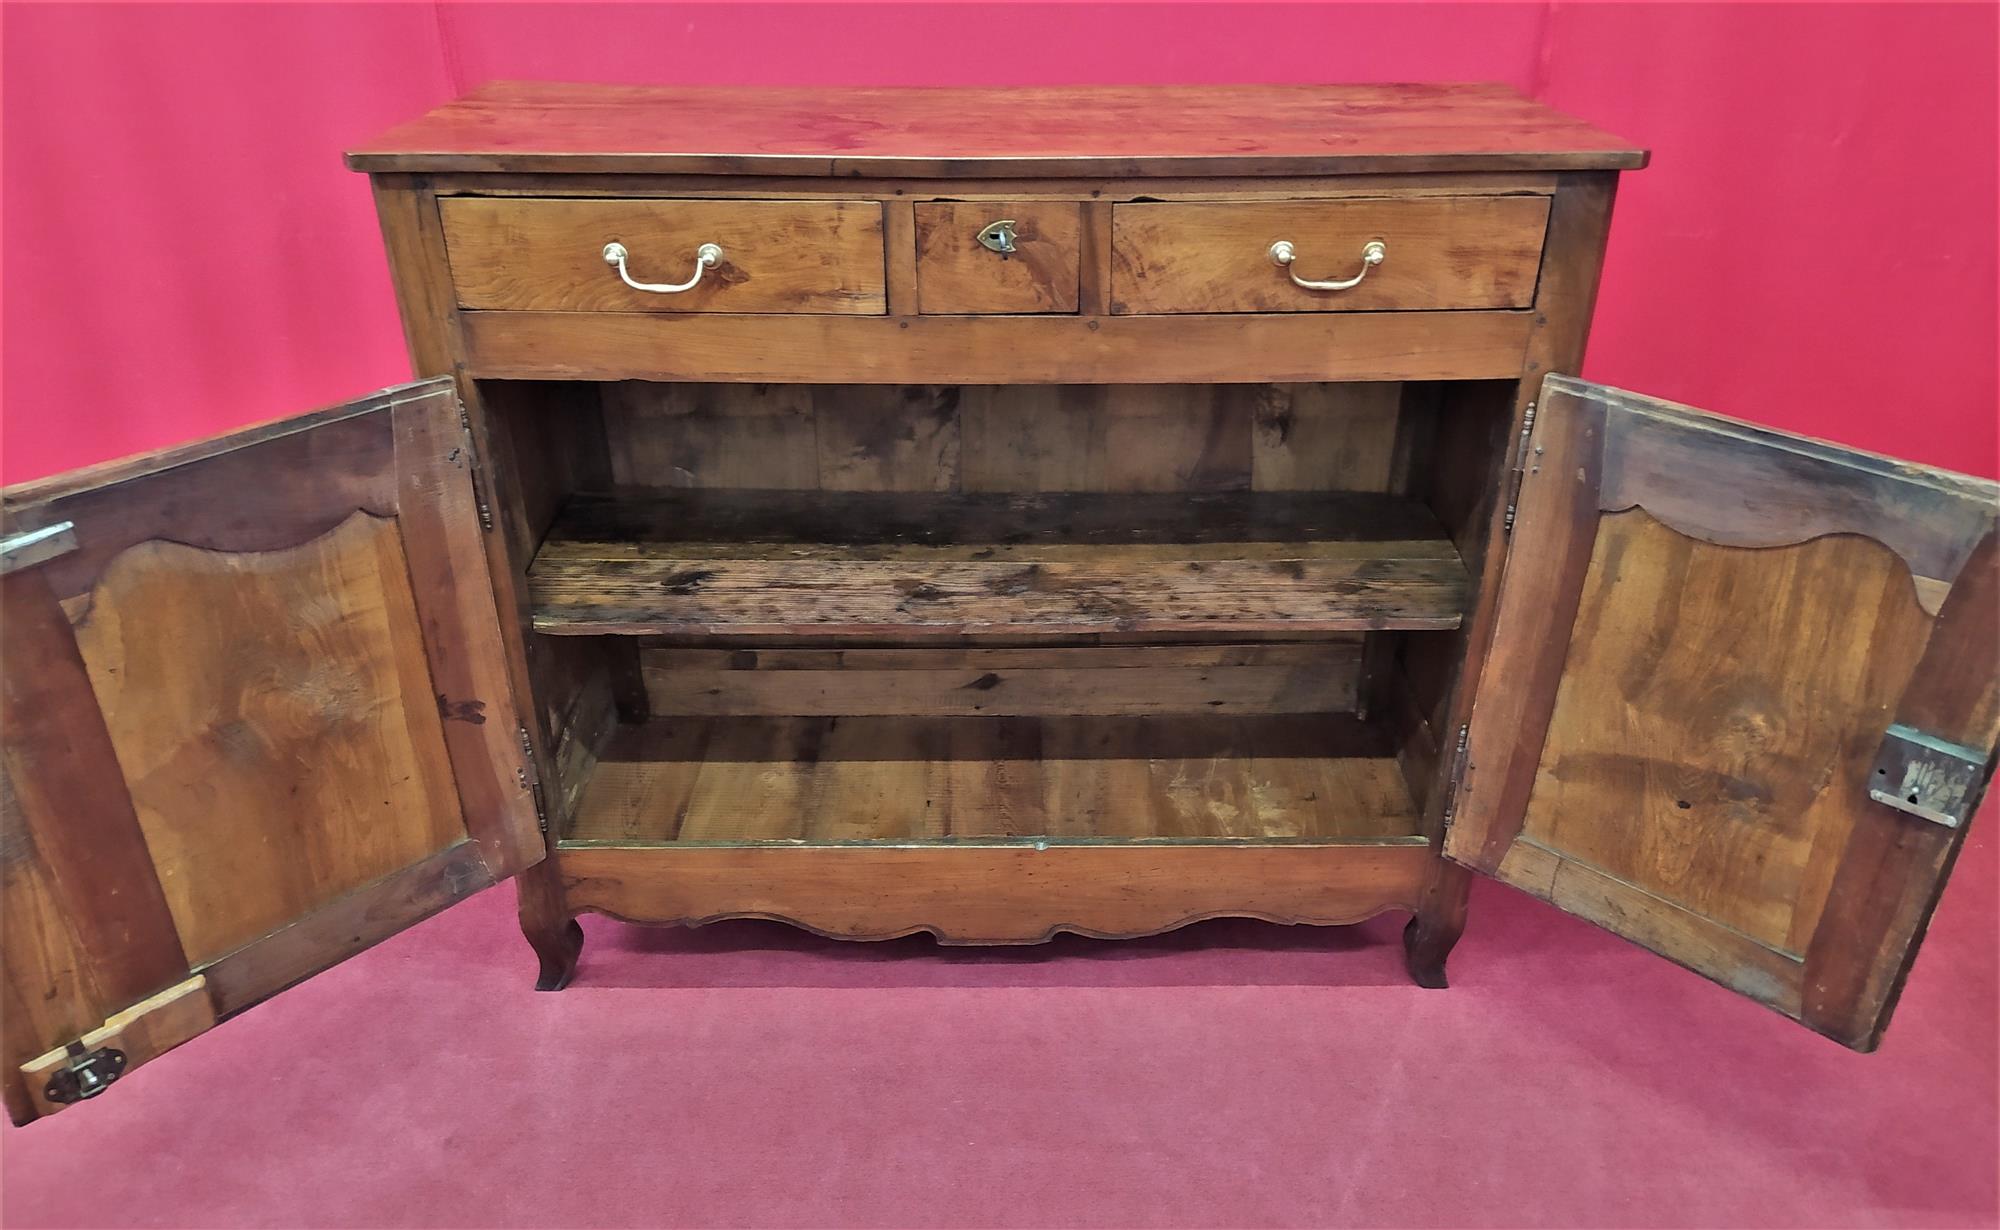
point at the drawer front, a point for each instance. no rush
(1437, 252)
(956, 273)
(776, 256)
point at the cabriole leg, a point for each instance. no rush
(1438, 923)
(546, 921)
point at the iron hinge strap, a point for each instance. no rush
(1521, 467)
(1457, 772)
(473, 467)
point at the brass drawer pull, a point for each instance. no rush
(1373, 253)
(706, 257)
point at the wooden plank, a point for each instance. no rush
(1716, 722)
(957, 274)
(1049, 130)
(997, 349)
(349, 924)
(1327, 686)
(1518, 678)
(1685, 936)
(996, 894)
(1442, 252)
(898, 778)
(873, 563)
(1094, 258)
(899, 242)
(274, 717)
(459, 629)
(1783, 488)
(142, 1033)
(1894, 866)
(910, 445)
(1325, 437)
(85, 928)
(1303, 655)
(1082, 189)
(625, 525)
(777, 256)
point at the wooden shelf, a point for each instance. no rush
(830, 780)
(790, 564)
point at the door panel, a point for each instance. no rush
(258, 719)
(1705, 630)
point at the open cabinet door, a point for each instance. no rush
(256, 719)
(1741, 699)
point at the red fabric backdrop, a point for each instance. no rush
(1813, 246)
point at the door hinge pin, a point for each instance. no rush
(474, 469)
(1457, 771)
(531, 779)
(1520, 467)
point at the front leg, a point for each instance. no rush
(1437, 924)
(545, 919)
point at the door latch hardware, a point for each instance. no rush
(87, 1074)
(1926, 776)
(30, 547)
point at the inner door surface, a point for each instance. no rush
(1741, 698)
(257, 718)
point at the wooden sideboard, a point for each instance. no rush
(989, 514)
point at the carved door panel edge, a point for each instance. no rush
(1743, 694)
(257, 718)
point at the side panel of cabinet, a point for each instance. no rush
(258, 719)
(1705, 634)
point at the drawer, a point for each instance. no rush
(1437, 252)
(956, 273)
(533, 254)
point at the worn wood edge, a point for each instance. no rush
(594, 882)
(1024, 166)
(1082, 189)
(352, 924)
(721, 347)
(1982, 491)
(145, 465)
(144, 1032)
(1641, 917)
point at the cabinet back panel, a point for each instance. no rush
(1218, 679)
(1007, 438)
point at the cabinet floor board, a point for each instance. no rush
(826, 780)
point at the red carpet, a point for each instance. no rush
(1232, 1073)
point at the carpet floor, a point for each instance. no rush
(1231, 1073)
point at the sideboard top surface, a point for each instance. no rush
(541, 127)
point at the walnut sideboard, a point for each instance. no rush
(990, 514)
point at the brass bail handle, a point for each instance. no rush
(706, 257)
(1282, 254)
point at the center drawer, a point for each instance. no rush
(550, 255)
(1428, 253)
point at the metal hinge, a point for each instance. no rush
(1926, 776)
(87, 1074)
(1457, 772)
(30, 547)
(474, 469)
(1521, 467)
(531, 780)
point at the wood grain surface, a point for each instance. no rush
(1061, 130)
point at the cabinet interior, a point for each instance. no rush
(867, 613)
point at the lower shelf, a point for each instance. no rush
(830, 780)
